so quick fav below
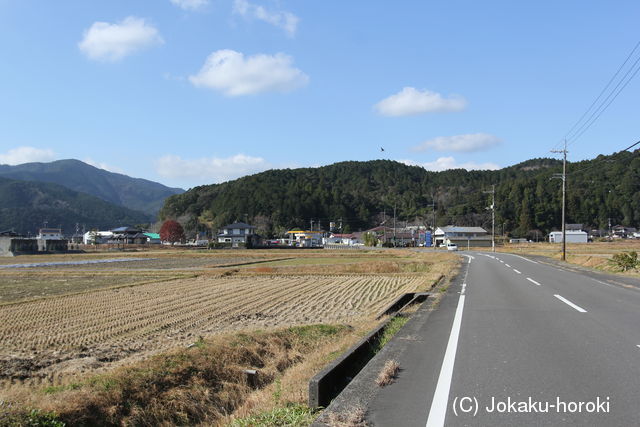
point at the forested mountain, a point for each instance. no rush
(527, 198)
(134, 193)
(25, 205)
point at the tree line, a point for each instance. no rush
(365, 194)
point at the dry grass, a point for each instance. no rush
(593, 255)
(59, 342)
(203, 384)
(354, 417)
(388, 373)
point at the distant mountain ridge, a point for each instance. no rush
(362, 195)
(26, 205)
(133, 193)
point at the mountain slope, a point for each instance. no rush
(25, 205)
(362, 194)
(134, 193)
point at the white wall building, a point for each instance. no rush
(96, 237)
(573, 236)
(50, 234)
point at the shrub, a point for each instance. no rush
(626, 261)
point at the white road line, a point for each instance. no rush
(603, 283)
(533, 281)
(516, 271)
(501, 261)
(638, 346)
(569, 303)
(507, 265)
(526, 259)
(440, 403)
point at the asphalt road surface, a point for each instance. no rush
(516, 342)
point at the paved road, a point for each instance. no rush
(517, 342)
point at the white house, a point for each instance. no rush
(96, 237)
(50, 234)
(236, 234)
(342, 239)
(573, 236)
(462, 236)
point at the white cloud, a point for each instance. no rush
(19, 155)
(229, 72)
(102, 165)
(209, 169)
(281, 19)
(462, 143)
(445, 163)
(190, 4)
(410, 101)
(112, 42)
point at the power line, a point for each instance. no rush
(596, 162)
(603, 90)
(582, 125)
(602, 109)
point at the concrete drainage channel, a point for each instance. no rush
(335, 377)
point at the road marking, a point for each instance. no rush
(533, 281)
(569, 303)
(638, 346)
(464, 288)
(508, 265)
(516, 271)
(439, 405)
(526, 259)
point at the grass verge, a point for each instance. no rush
(201, 384)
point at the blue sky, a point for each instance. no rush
(192, 92)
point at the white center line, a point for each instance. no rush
(569, 303)
(440, 402)
(533, 281)
(516, 271)
(638, 346)
(508, 265)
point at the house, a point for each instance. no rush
(12, 244)
(342, 239)
(51, 240)
(128, 235)
(236, 234)
(304, 238)
(96, 237)
(462, 236)
(573, 236)
(50, 234)
(622, 232)
(153, 238)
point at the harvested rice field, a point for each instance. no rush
(94, 319)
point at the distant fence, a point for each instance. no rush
(337, 246)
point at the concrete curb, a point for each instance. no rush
(329, 382)
(361, 390)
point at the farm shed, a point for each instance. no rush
(573, 236)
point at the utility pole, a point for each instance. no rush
(493, 216)
(311, 225)
(564, 190)
(433, 230)
(394, 225)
